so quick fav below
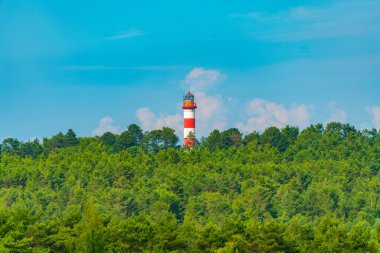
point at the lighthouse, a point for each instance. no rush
(189, 107)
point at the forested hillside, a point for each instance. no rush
(278, 191)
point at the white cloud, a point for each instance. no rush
(264, 114)
(374, 111)
(343, 18)
(146, 118)
(336, 114)
(106, 124)
(208, 105)
(199, 79)
(149, 121)
(211, 113)
(132, 32)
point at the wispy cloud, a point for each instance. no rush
(106, 124)
(374, 111)
(132, 32)
(135, 68)
(150, 121)
(344, 18)
(336, 114)
(200, 79)
(263, 114)
(211, 113)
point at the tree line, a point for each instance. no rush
(282, 190)
(133, 137)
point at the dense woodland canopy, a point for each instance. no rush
(278, 191)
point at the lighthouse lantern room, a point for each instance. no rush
(189, 107)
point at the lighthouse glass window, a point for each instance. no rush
(189, 101)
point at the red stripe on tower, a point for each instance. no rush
(189, 107)
(189, 123)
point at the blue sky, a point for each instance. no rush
(101, 65)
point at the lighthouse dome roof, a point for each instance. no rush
(188, 94)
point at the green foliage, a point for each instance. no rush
(156, 140)
(213, 141)
(276, 191)
(71, 138)
(223, 140)
(60, 141)
(108, 139)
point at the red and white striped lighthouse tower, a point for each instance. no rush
(189, 107)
